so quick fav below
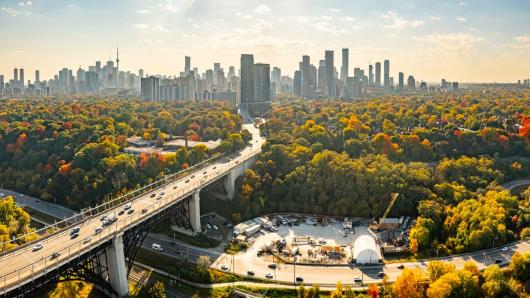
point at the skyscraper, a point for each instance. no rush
(321, 76)
(401, 81)
(330, 80)
(262, 81)
(297, 85)
(15, 77)
(21, 84)
(411, 83)
(345, 63)
(370, 75)
(187, 64)
(304, 71)
(247, 79)
(37, 76)
(378, 74)
(387, 74)
(141, 73)
(150, 89)
(276, 77)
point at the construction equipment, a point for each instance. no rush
(393, 198)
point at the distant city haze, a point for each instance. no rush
(466, 41)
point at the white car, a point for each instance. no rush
(215, 227)
(209, 226)
(157, 247)
(127, 206)
(224, 267)
(37, 246)
(269, 275)
(504, 248)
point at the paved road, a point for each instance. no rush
(513, 184)
(22, 263)
(178, 249)
(50, 209)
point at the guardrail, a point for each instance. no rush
(20, 275)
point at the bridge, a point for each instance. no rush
(104, 251)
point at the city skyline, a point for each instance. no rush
(469, 41)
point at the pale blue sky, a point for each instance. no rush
(473, 40)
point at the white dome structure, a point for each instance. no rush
(365, 250)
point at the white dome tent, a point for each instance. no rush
(365, 250)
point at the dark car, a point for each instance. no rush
(381, 274)
(74, 235)
(144, 210)
(172, 242)
(152, 195)
(299, 279)
(272, 266)
(187, 181)
(55, 255)
(121, 212)
(250, 273)
(498, 261)
(130, 211)
(401, 266)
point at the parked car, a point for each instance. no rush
(37, 246)
(157, 247)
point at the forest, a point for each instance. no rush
(447, 155)
(70, 151)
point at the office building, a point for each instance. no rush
(150, 89)
(411, 83)
(378, 74)
(330, 78)
(141, 73)
(370, 75)
(304, 71)
(321, 76)
(187, 65)
(247, 79)
(345, 63)
(401, 78)
(297, 87)
(261, 82)
(21, 84)
(276, 77)
(386, 74)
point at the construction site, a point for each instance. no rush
(311, 239)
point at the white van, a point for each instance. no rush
(157, 246)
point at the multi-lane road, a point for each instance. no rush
(22, 264)
(50, 209)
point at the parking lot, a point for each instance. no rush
(310, 243)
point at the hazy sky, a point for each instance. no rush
(470, 40)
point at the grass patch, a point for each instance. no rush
(164, 227)
(181, 267)
(234, 248)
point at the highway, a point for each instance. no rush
(22, 263)
(50, 209)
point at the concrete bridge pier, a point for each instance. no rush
(117, 270)
(195, 212)
(229, 181)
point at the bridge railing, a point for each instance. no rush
(51, 230)
(77, 248)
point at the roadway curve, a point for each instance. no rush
(515, 183)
